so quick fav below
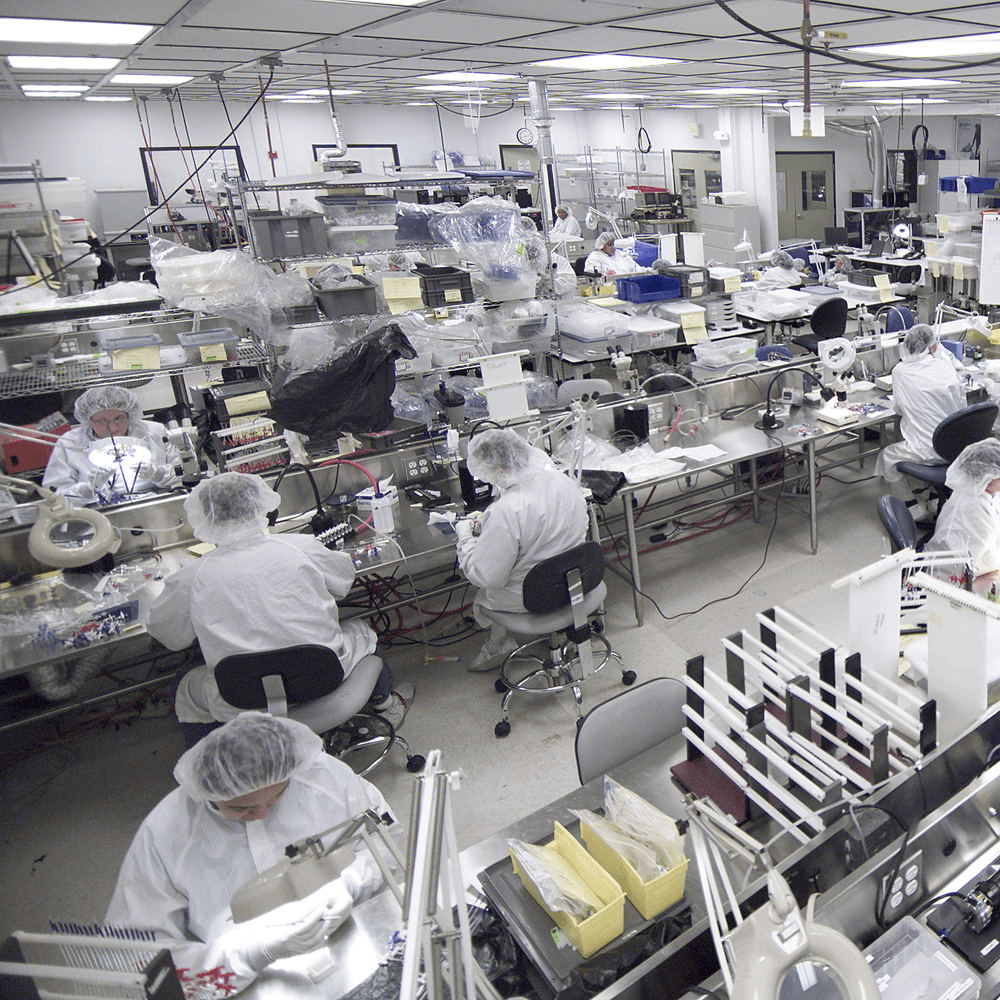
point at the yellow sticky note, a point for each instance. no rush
(397, 306)
(731, 283)
(885, 295)
(453, 295)
(358, 268)
(960, 271)
(403, 286)
(213, 352)
(881, 280)
(935, 269)
(693, 324)
(132, 358)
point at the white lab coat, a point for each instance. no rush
(540, 516)
(779, 277)
(563, 276)
(261, 592)
(68, 471)
(565, 229)
(925, 390)
(970, 521)
(619, 262)
(187, 860)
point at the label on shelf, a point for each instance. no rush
(402, 293)
(213, 352)
(731, 283)
(135, 358)
(693, 325)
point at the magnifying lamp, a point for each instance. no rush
(837, 355)
(65, 536)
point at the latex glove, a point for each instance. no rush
(464, 529)
(100, 479)
(296, 928)
(146, 470)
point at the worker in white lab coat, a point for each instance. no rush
(970, 519)
(539, 513)
(257, 592)
(565, 227)
(106, 413)
(607, 259)
(246, 791)
(563, 277)
(783, 272)
(925, 390)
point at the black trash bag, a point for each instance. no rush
(496, 953)
(351, 392)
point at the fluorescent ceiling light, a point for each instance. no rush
(49, 93)
(323, 92)
(604, 61)
(889, 84)
(939, 48)
(163, 79)
(459, 76)
(289, 99)
(101, 97)
(451, 87)
(29, 29)
(380, 3)
(730, 91)
(74, 87)
(910, 102)
(62, 62)
(614, 97)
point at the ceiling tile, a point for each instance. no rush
(454, 27)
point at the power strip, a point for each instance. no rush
(906, 889)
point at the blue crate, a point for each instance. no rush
(645, 253)
(974, 185)
(648, 288)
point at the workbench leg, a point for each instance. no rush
(633, 555)
(811, 467)
(755, 499)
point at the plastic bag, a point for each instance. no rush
(410, 405)
(313, 346)
(350, 392)
(413, 221)
(335, 276)
(595, 452)
(636, 818)
(541, 391)
(563, 890)
(640, 856)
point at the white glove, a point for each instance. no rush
(295, 928)
(464, 529)
(100, 479)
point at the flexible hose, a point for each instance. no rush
(58, 681)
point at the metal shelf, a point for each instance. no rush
(84, 374)
(306, 182)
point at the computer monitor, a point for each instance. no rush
(877, 248)
(835, 236)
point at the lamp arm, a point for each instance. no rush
(785, 371)
(26, 487)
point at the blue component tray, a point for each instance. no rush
(648, 288)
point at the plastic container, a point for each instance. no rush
(694, 280)
(210, 345)
(355, 297)
(124, 340)
(505, 289)
(649, 898)
(360, 239)
(956, 222)
(602, 927)
(276, 235)
(722, 353)
(723, 280)
(909, 961)
(648, 288)
(515, 329)
(442, 286)
(358, 210)
(591, 323)
(974, 185)
(649, 333)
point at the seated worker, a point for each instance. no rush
(565, 227)
(539, 513)
(925, 390)
(605, 259)
(108, 412)
(563, 279)
(246, 791)
(398, 261)
(783, 272)
(254, 592)
(970, 518)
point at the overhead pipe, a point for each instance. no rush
(875, 148)
(538, 99)
(338, 147)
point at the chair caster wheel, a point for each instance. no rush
(415, 763)
(628, 677)
(501, 729)
(499, 685)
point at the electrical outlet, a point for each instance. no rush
(418, 468)
(69, 346)
(906, 889)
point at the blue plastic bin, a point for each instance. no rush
(645, 253)
(974, 185)
(648, 288)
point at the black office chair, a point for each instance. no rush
(306, 683)
(898, 523)
(829, 319)
(578, 266)
(951, 437)
(560, 594)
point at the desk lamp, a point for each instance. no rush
(63, 535)
(758, 953)
(590, 221)
(769, 421)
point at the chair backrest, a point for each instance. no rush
(578, 266)
(307, 672)
(962, 428)
(666, 382)
(898, 318)
(898, 522)
(628, 724)
(545, 589)
(773, 352)
(829, 318)
(583, 388)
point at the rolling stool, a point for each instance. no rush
(311, 680)
(560, 595)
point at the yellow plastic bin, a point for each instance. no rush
(607, 923)
(649, 898)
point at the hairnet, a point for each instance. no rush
(918, 340)
(230, 506)
(398, 259)
(661, 265)
(782, 258)
(107, 397)
(975, 468)
(251, 752)
(603, 239)
(499, 457)
(563, 207)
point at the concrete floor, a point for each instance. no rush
(69, 807)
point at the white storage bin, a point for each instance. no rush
(722, 353)
(650, 333)
(591, 323)
(360, 239)
(956, 222)
(501, 290)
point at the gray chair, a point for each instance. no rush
(306, 683)
(898, 523)
(628, 724)
(561, 594)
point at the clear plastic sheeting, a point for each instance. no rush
(414, 221)
(410, 405)
(228, 283)
(468, 387)
(644, 823)
(640, 856)
(563, 890)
